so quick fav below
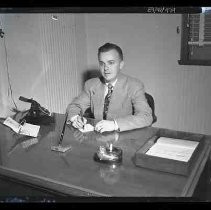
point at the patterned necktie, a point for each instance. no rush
(107, 101)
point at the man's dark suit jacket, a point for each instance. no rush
(128, 105)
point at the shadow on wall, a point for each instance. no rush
(90, 73)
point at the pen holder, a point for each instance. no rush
(108, 156)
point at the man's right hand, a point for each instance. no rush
(78, 122)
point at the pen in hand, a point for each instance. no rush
(82, 119)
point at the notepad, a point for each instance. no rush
(87, 128)
(26, 129)
(176, 149)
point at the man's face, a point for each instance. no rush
(110, 65)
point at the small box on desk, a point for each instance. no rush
(167, 154)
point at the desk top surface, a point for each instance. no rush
(76, 173)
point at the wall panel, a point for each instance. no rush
(41, 59)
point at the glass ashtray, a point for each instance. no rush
(106, 155)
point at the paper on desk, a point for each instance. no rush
(12, 124)
(87, 128)
(30, 130)
(26, 129)
(170, 148)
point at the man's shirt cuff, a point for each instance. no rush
(73, 118)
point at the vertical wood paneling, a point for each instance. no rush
(194, 97)
(59, 60)
(6, 102)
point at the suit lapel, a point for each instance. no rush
(99, 101)
(98, 98)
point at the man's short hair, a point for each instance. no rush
(109, 46)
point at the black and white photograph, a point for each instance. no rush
(105, 104)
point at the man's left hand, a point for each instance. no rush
(105, 125)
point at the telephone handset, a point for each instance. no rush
(36, 114)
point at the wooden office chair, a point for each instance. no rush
(151, 103)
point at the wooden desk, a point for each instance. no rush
(76, 173)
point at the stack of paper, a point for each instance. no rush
(176, 149)
(26, 129)
(87, 128)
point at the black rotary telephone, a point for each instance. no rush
(36, 114)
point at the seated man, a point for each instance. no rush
(117, 101)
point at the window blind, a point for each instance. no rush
(199, 28)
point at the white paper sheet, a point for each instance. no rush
(26, 129)
(87, 128)
(170, 148)
(30, 130)
(12, 124)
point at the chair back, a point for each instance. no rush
(151, 103)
